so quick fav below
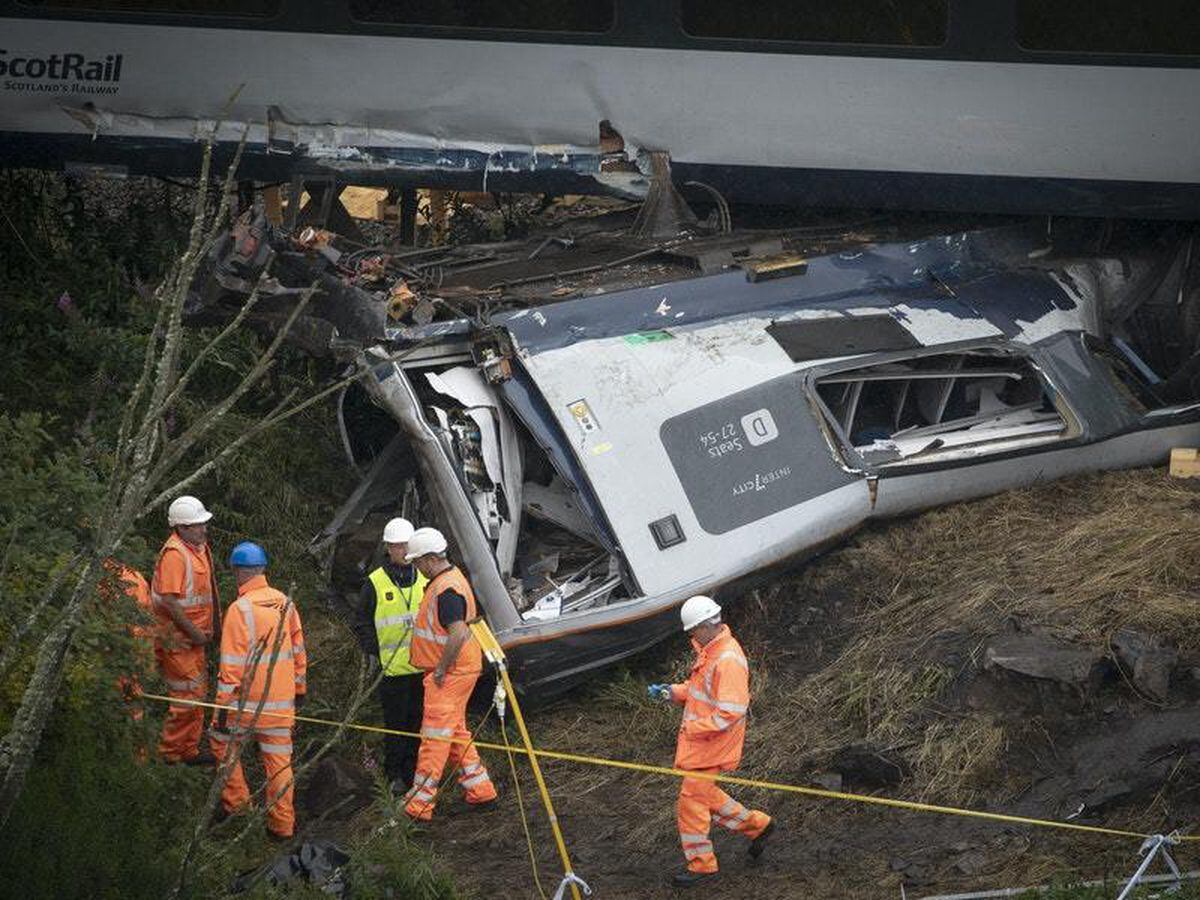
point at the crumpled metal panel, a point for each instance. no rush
(369, 155)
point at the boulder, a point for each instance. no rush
(1146, 660)
(337, 788)
(1039, 656)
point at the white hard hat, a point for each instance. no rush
(696, 610)
(425, 541)
(187, 511)
(397, 531)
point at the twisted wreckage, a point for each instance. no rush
(607, 426)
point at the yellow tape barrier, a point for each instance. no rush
(728, 779)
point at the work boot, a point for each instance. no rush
(687, 878)
(759, 844)
(399, 787)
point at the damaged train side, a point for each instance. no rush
(599, 460)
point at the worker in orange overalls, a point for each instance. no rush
(184, 593)
(443, 647)
(265, 681)
(133, 584)
(715, 700)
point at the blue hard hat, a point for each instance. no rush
(248, 555)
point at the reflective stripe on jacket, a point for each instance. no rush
(429, 637)
(199, 597)
(395, 613)
(715, 698)
(252, 622)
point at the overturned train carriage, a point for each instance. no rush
(598, 460)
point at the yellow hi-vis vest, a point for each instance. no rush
(395, 612)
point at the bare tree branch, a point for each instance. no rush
(240, 730)
(273, 418)
(25, 732)
(170, 458)
(212, 345)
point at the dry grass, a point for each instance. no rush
(870, 644)
(1079, 559)
(958, 760)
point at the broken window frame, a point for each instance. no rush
(850, 454)
(602, 582)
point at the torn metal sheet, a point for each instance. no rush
(500, 449)
(370, 155)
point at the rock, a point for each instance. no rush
(866, 766)
(973, 862)
(1042, 657)
(336, 787)
(830, 781)
(1147, 661)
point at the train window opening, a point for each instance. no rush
(1170, 27)
(258, 9)
(941, 407)
(594, 17)
(909, 23)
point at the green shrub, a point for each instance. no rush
(91, 822)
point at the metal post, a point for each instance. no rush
(408, 216)
(1151, 847)
(491, 647)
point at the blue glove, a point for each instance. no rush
(659, 691)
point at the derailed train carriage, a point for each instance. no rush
(599, 459)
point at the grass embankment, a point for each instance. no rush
(873, 646)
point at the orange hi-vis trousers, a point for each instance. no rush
(275, 751)
(701, 801)
(184, 671)
(445, 716)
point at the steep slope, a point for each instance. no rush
(1028, 653)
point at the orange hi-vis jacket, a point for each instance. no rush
(187, 572)
(137, 587)
(429, 637)
(715, 700)
(252, 622)
(133, 585)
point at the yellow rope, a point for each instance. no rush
(521, 808)
(728, 779)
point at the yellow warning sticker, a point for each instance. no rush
(584, 418)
